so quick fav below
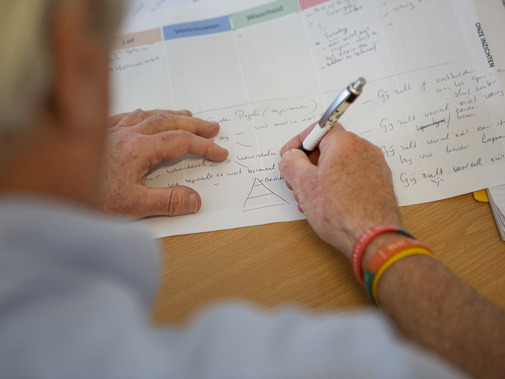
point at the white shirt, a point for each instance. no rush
(76, 291)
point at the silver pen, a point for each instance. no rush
(332, 115)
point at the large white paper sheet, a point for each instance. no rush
(264, 70)
(138, 7)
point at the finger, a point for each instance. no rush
(162, 122)
(314, 156)
(174, 201)
(297, 169)
(132, 118)
(297, 140)
(335, 142)
(332, 137)
(174, 144)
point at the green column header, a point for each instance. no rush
(264, 13)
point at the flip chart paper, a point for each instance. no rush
(264, 70)
(137, 7)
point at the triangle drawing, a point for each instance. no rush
(261, 196)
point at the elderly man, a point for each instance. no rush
(76, 286)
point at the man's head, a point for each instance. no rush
(53, 91)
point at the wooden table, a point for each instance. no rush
(286, 263)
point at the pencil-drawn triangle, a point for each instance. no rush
(260, 196)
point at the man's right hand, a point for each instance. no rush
(349, 189)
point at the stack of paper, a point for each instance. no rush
(496, 196)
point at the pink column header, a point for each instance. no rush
(304, 4)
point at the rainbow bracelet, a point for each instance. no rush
(385, 258)
(363, 241)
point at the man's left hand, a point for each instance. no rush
(138, 141)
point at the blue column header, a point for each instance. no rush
(197, 28)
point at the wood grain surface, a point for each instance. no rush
(286, 263)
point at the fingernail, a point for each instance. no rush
(192, 204)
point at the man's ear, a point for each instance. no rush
(79, 94)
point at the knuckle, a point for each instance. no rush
(284, 164)
(134, 117)
(173, 203)
(377, 150)
(139, 113)
(353, 138)
(161, 119)
(360, 144)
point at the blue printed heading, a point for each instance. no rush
(197, 28)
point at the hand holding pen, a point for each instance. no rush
(347, 189)
(332, 115)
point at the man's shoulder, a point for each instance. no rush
(42, 241)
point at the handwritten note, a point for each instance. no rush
(434, 101)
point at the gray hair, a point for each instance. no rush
(25, 65)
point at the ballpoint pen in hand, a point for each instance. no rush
(332, 115)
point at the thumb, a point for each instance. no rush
(174, 201)
(297, 169)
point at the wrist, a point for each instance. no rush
(375, 245)
(387, 255)
(371, 240)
